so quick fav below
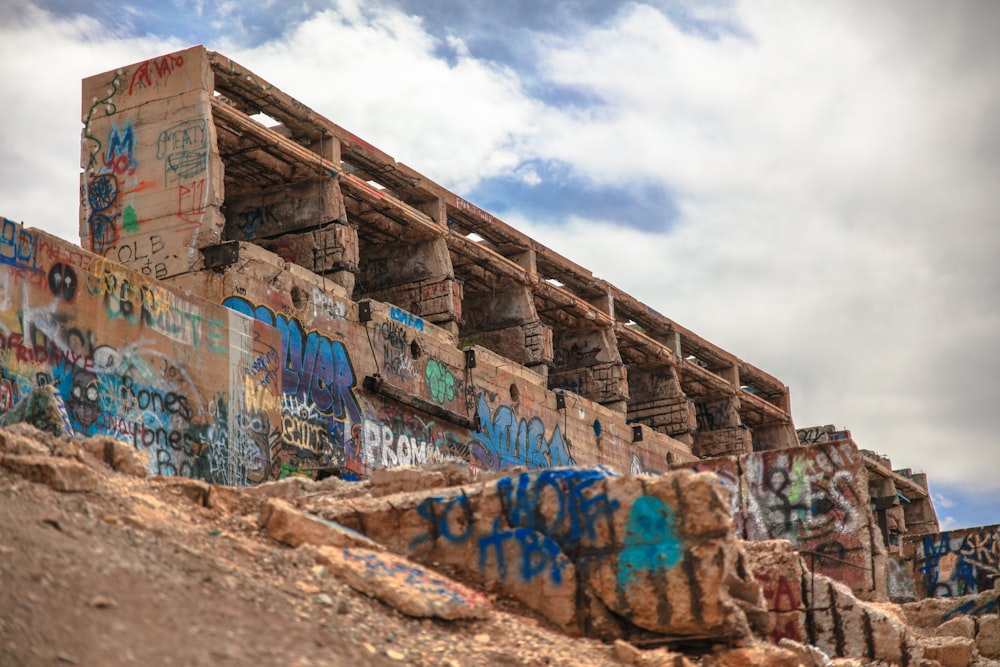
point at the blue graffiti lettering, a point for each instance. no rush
(315, 368)
(403, 317)
(578, 511)
(18, 246)
(504, 441)
(120, 156)
(539, 553)
(970, 608)
(438, 513)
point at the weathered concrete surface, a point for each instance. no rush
(410, 588)
(957, 627)
(286, 524)
(811, 608)
(179, 378)
(149, 154)
(988, 637)
(816, 497)
(312, 222)
(119, 456)
(658, 554)
(950, 651)
(954, 563)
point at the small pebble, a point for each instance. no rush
(102, 602)
(393, 654)
(323, 599)
(483, 638)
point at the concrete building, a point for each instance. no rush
(261, 293)
(183, 183)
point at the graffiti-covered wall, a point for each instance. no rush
(954, 563)
(186, 381)
(432, 403)
(148, 195)
(816, 497)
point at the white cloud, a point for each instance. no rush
(835, 177)
(375, 71)
(942, 502)
(42, 62)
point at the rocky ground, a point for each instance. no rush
(102, 566)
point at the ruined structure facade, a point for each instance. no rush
(254, 300)
(414, 325)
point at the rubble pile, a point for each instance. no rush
(562, 566)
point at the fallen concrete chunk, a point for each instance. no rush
(24, 439)
(949, 651)
(120, 456)
(959, 626)
(44, 409)
(195, 490)
(814, 609)
(60, 474)
(808, 655)
(286, 524)
(988, 637)
(410, 588)
(932, 612)
(658, 553)
(758, 655)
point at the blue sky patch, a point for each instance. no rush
(560, 193)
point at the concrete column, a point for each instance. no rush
(416, 276)
(152, 181)
(588, 363)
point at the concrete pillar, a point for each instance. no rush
(657, 401)
(507, 323)
(414, 275)
(720, 431)
(588, 363)
(152, 181)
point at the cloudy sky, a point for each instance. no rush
(813, 186)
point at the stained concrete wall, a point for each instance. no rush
(817, 498)
(266, 378)
(951, 563)
(175, 190)
(148, 196)
(429, 386)
(188, 382)
(174, 167)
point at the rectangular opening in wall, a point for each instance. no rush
(264, 119)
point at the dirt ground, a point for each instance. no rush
(140, 572)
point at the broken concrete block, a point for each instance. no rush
(22, 439)
(949, 651)
(44, 409)
(659, 553)
(988, 637)
(808, 655)
(959, 626)
(60, 474)
(116, 454)
(758, 654)
(195, 490)
(410, 588)
(286, 524)
(845, 626)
